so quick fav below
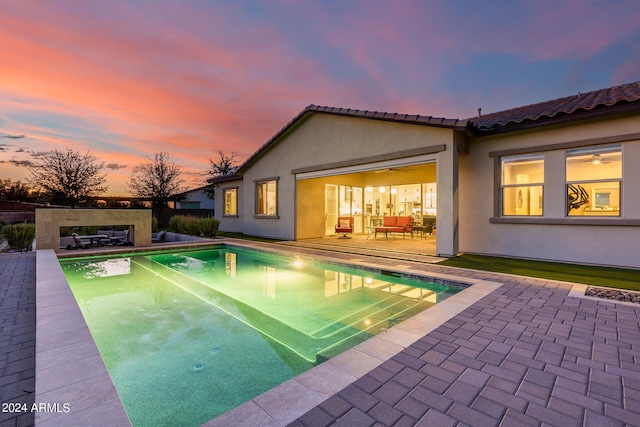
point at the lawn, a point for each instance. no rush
(610, 277)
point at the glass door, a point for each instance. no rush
(330, 208)
(356, 209)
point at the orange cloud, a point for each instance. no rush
(126, 80)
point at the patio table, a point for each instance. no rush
(385, 229)
(94, 237)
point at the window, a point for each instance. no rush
(266, 203)
(522, 185)
(230, 197)
(594, 178)
(190, 205)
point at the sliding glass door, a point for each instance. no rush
(342, 201)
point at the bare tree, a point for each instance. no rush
(16, 191)
(157, 180)
(68, 177)
(225, 165)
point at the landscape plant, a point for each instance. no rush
(188, 224)
(19, 236)
(208, 227)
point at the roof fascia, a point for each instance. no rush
(221, 179)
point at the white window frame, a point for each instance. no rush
(225, 211)
(271, 211)
(528, 185)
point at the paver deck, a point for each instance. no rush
(17, 338)
(526, 354)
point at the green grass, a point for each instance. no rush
(620, 278)
(246, 237)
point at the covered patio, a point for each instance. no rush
(414, 249)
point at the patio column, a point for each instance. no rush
(447, 216)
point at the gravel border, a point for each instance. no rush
(613, 294)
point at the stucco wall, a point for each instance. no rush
(325, 139)
(310, 203)
(49, 221)
(230, 223)
(198, 196)
(610, 243)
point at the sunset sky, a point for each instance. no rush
(125, 79)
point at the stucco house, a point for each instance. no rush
(196, 198)
(555, 180)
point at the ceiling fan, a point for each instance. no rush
(404, 170)
(596, 159)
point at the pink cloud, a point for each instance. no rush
(192, 78)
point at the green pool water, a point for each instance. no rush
(189, 335)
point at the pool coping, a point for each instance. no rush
(71, 375)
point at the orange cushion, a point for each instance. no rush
(403, 220)
(389, 221)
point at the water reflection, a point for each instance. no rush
(110, 267)
(178, 328)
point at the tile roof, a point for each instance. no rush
(503, 121)
(393, 117)
(455, 124)
(589, 101)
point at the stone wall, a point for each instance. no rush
(49, 221)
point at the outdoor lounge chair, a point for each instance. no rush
(344, 226)
(80, 244)
(159, 237)
(120, 238)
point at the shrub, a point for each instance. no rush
(208, 227)
(5, 231)
(19, 236)
(154, 224)
(182, 224)
(188, 224)
(177, 223)
(192, 226)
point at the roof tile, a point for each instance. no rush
(629, 92)
(484, 124)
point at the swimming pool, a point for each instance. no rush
(189, 335)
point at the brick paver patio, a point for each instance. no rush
(17, 337)
(527, 354)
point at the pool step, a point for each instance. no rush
(302, 344)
